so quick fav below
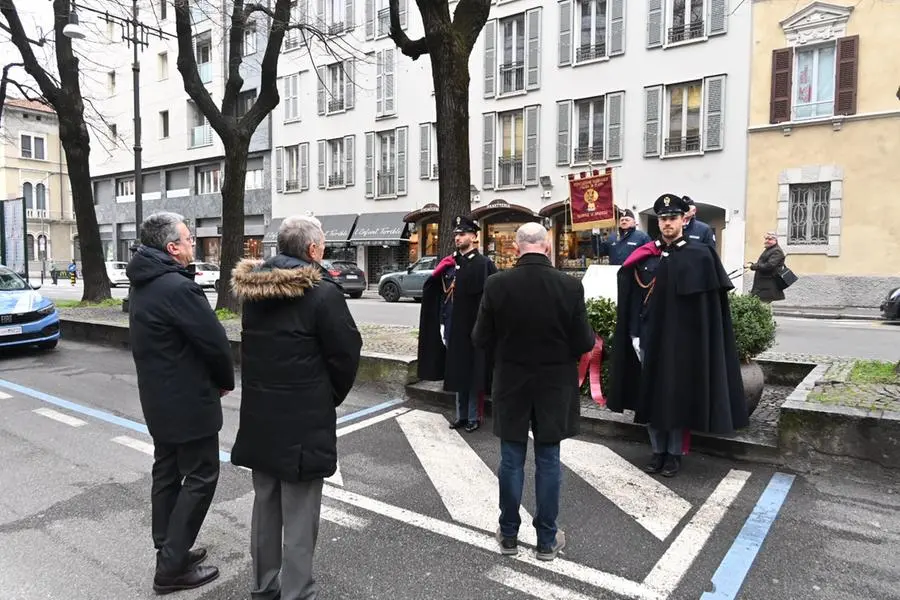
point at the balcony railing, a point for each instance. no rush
(291, 185)
(201, 135)
(434, 171)
(386, 183)
(384, 21)
(336, 180)
(512, 77)
(510, 170)
(37, 213)
(336, 28)
(683, 33)
(205, 70)
(682, 145)
(590, 52)
(336, 105)
(589, 154)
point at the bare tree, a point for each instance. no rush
(63, 93)
(449, 44)
(5, 80)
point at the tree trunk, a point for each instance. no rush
(236, 150)
(450, 69)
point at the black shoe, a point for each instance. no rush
(195, 557)
(509, 546)
(656, 464)
(457, 424)
(472, 426)
(193, 578)
(673, 464)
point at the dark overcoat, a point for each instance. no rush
(764, 269)
(534, 318)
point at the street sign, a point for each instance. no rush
(15, 235)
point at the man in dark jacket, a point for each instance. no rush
(299, 357)
(626, 240)
(534, 318)
(694, 229)
(769, 263)
(463, 367)
(184, 366)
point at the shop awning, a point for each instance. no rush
(379, 229)
(551, 210)
(271, 235)
(337, 228)
(498, 206)
(429, 210)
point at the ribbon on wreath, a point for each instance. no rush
(591, 365)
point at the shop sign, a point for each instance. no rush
(591, 198)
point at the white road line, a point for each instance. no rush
(467, 487)
(4, 396)
(560, 566)
(657, 508)
(61, 417)
(134, 444)
(343, 518)
(371, 421)
(337, 478)
(668, 571)
(533, 586)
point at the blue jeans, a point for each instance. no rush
(467, 406)
(666, 442)
(547, 483)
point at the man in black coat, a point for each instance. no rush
(299, 357)
(534, 318)
(674, 358)
(458, 280)
(184, 366)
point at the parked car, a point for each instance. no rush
(348, 275)
(206, 275)
(890, 308)
(26, 317)
(408, 283)
(115, 270)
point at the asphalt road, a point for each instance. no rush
(860, 339)
(411, 514)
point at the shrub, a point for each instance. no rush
(754, 327)
(601, 314)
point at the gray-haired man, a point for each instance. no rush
(184, 366)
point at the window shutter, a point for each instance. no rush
(652, 119)
(389, 81)
(532, 127)
(370, 165)
(287, 95)
(295, 95)
(563, 124)
(780, 98)
(617, 28)
(349, 83)
(714, 107)
(349, 160)
(349, 21)
(320, 75)
(279, 169)
(302, 15)
(425, 151)
(321, 17)
(718, 17)
(379, 83)
(304, 166)
(655, 23)
(370, 19)
(490, 58)
(615, 107)
(533, 51)
(846, 75)
(322, 148)
(403, 10)
(487, 155)
(401, 133)
(565, 33)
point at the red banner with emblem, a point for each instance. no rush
(591, 201)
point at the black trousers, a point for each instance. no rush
(184, 482)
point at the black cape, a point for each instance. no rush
(460, 365)
(691, 375)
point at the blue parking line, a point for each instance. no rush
(732, 572)
(368, 411)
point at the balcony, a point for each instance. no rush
(291, 185)
(512, 77)
(683, 33)
(384, 22)
(510, 168)
(590, 52)
(336, 180)
(200, 136)
(434, 171)
(386, 184)
(682, 145)
(336, 105)
(37, 213)
(205, 70)
(336, 28)
(589, 154)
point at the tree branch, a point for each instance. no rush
(411, 48)
(268, 98)
(39, 42)
(234, 82)
(187, 66)
(20, 39)
(469, 19)
(4, 80)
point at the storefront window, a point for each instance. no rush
(577, 250)
(430, 239)
(253, 247)
(212, 249)
(499, 244)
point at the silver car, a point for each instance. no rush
(408, 283)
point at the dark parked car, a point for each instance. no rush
(890, 308)
(408, 283)
(348, 275)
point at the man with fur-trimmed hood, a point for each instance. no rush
(299, 356)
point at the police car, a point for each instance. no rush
(26, 317)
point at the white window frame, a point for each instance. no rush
(335, 20)
(124, 189)
(198, 121)
(428, 156)
(292, 37)
(576, 32)
(162, 66)
(795, 82)
(335, 175)
(576, 132)
(382, 20)
(385, 83)
(336, 80)
(208, 180)
(689, 37)
(515, 60)
(805, 175)
(250, 42)
(165, 124)
(388, 136)
(291, 90)
(255, 179)
(32, 150)
(517, 114)
(667, 102)
(292, 169)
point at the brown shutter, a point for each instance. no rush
(780, 100)
(845, 77)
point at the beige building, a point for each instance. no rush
(824, 146)
(32, 165)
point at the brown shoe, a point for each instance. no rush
(196, 577)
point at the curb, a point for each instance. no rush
(823, 316)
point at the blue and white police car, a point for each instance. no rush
(26, 317)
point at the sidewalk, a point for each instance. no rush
(827, 312)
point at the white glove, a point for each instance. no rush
(636, 344)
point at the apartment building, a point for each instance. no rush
(823, 147)
(33, 167)
(658, 93)
(182, 156)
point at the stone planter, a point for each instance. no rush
(754, 381)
